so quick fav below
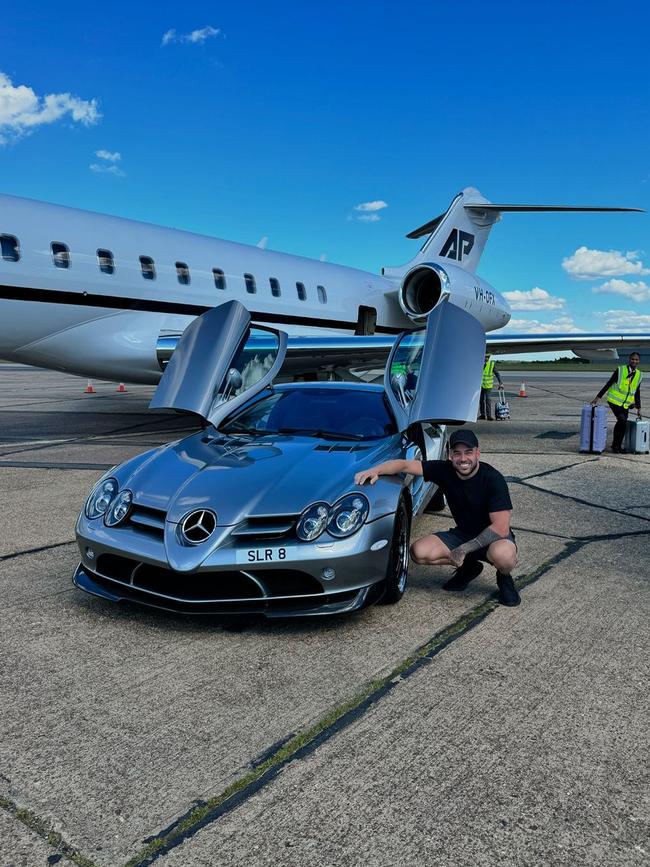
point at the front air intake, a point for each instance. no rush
(422, 289)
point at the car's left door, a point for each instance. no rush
(220, 362)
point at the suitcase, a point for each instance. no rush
(593, 429)
(636, 437)
(502, 407)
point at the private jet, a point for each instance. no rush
(108, 297)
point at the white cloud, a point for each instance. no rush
(22, 110)
(369, 218)
(563, 325)
(107, 169)
(533, 299)
(625, 320)
(637, 291)
(586, 264)
(195, 37)
(371, 206)
(111, 156)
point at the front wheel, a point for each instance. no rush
(398, 559)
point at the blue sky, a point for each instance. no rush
(254, 119)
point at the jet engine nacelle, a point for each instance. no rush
(427, 284)
(422, 289)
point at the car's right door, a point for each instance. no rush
(433, 374)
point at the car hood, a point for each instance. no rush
(244, 477)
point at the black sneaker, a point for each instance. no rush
(463, 575)
(508, 593)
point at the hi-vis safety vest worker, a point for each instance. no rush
(623, 391)
(488, 374)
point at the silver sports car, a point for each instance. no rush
(258, 512)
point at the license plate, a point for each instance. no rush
(254, 556)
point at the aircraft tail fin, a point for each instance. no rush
(460, 234)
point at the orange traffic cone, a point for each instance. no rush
(121, 388)
(89, 388)
(522, 390)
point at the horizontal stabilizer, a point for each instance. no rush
(542, 208)
(476, 210)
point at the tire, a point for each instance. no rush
(398, 558)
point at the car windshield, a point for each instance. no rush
(328, 413)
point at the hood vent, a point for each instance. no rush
(340, 448)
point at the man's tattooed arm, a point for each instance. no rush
(485, 538)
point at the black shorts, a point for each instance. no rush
(453, 537)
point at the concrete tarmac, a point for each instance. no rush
(445, 730)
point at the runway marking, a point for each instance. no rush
(53, 465)
(304, 743)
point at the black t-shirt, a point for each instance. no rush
(470, 500)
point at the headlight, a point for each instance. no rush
(119, 509)
(347, 516)
(312, 522)
(100, 498)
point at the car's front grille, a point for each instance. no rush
(268, 527)
(205, 587)
(147, 520)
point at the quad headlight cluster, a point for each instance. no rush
(105, 501)
(342, 519)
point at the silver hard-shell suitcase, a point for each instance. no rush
(637, 435)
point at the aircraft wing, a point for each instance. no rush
(580, 342)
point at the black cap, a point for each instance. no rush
(467, 437)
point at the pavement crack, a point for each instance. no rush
(36, 550)
(45, 831)
(572, 499)
(557, 470)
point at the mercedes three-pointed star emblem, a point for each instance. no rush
(198, 526)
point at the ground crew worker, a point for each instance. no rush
(623, 391)
(489, 372)
(479, 501)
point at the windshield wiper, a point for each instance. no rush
(322, 434)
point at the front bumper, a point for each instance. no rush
(125, 568)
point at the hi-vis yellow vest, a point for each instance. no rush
(623, 391)
(488, 374)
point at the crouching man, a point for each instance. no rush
(479, 501)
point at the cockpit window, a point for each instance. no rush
(351, 414)
(10, 248)
(60, 254)
(106, 261)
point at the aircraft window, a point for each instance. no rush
(250, 283)
(219, 278)
(60, 254)
(106, 262)
(183, 273)
(302, 292)
(10, 248)
(275, 287)
(322, 294)
(147, 267)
